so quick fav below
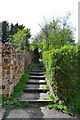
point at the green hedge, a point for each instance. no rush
(63, 72)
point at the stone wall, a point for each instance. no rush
(13, 64)
(0, 31)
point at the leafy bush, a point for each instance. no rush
(62, 71)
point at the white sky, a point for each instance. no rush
(30, 12)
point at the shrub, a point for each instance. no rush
(62, 71)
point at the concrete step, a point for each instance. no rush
(40, 113)
(35, 90)
(36, 86)
(2, 111)
(26, 96)
(37, 101)
(38, 67)
(37, 73)
(36, 82)
(37, 70)
(36, 77)
(39, 98)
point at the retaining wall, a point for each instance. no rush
(13, 64)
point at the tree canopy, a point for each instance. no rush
(55, 34)
(20, 39)
(9, 30)
(5, 31)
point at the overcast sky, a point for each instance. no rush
(31, 12)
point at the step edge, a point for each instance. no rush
(34, 89)
(34, 100)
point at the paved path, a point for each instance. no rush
(1, 113)
(41, 112)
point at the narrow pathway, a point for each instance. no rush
(36, 93)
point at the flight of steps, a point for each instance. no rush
(36, 91)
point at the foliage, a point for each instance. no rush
(33, 46)
(55, 34)
(14, 28)
(20, 39)
(25, 104)
(10, 31)
(62, 71)
(5, 31)
(60, 56)
(59, 107)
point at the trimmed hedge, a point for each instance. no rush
(63, 72)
